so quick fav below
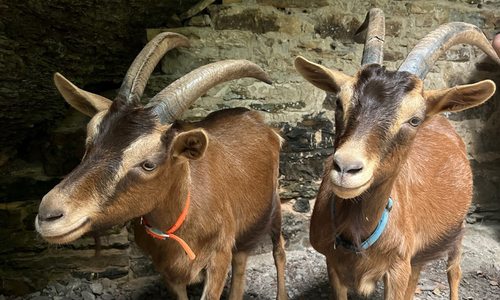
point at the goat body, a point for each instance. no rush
(394, 156)
(141, 162)
(432, 192)
(234, 196)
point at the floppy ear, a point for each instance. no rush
(83, 101)
(459, 97)
(190, 144)
(322, 77)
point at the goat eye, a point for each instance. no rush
(148, 166)
(415, 121)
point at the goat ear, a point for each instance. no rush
(459, 97)
(322, 77)
(190, 144)
(83, 101)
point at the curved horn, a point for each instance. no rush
(496, 44)
(143, 65)
(373, 28)
(427, 51)
(173, 100)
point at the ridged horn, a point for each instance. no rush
(172, 101)
(373, 30)
(424, 55)
(496, 43)
(143, 65)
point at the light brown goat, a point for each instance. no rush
(208, 189)
(392, 144)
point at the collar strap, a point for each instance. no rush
(160, 235)
(372, 238)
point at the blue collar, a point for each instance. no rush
(372, 238)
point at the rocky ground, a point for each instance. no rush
(306, 277)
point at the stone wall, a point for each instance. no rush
(91, 42)
(270, 33)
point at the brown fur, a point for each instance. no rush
(383, 150)
(229, 164)
(423, 223)
(237, 203)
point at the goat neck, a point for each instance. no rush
(356, 219)
(172, 201)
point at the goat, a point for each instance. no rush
(396, 190)
(213, 182)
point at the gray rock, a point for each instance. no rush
(301, 205)
(41, 298)
(88, 295)
(106, 296)
(60, 288)
(96, 288)
(72, 295)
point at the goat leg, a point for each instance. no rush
(454, 270)
(279, 250)
(178, 289)
(339, 289)
(239, 264)
(216, 275)
(396, 280)
(412, 283)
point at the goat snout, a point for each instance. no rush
(49, 215)
(59, 223)
(50, 210)
(347, 164)
(351, 174)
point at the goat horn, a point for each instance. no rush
(427, 51)
(373, 28)
(173, 100)
(143, 65)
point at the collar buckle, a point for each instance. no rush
(169, 234)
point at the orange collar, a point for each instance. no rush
(160, 235)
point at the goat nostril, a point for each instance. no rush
(346, 166)
(336, 166)
(354, 169)
(50, 216)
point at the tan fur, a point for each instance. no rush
(228, 204)
(422, 191)
(345, 95)
(135, 166)
(93, 125)
(233, 183)
(86, 102)
(409, 108)
(428, 176)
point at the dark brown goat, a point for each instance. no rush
(213, 183)
(394, 150)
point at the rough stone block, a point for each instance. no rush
(200, 21)
(393, 27)
(294, 3)
(250, 19)
(337, 26)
